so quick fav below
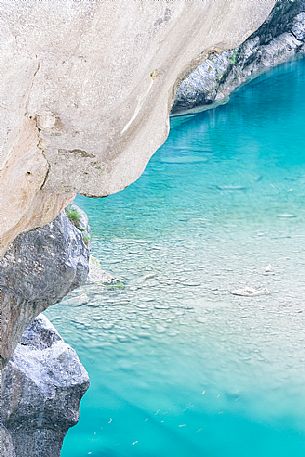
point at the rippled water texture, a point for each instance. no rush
(199, 350)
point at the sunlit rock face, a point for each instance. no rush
(41, 390)
(280, 39)
(86, 89)
(40, 267)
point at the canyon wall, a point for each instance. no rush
(86, 90)
(85, 95)
(280, 39)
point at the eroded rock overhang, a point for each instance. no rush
(86, 91)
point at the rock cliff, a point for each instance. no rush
(40, 267)
(86, 90)
(280, 39)
(42, 379)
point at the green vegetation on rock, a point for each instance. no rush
(73, 215)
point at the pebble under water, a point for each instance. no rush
(199, 349)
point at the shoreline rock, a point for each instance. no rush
(38, 270)
(280, 39)
(41, 388)
(42, 379)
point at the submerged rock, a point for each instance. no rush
(41, 390)
(38, 270)
(97, 274)
(280, 39)
(250, 292)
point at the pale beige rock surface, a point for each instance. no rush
(86, 89)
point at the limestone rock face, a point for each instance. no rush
(280, 39)
(39, 268)
(86, 90)
(41, 390)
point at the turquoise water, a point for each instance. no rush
(199, 349)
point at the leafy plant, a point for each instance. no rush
(73, 215)
(86, 238)
(233, 57)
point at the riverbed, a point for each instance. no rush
(197, 349)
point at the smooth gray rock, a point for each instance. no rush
(280, 39)
(41, 390)
(38, 270)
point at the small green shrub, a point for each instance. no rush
(233, 58)
(115, 285)
(86, 238)
(73, 215)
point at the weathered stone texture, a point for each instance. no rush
(40, 393)
(38, 270)
(280, 39)
(86, 89)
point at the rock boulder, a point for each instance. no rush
(39, 269)
(41, 390)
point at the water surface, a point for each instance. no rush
(199, 349)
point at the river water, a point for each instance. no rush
(198, 350)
